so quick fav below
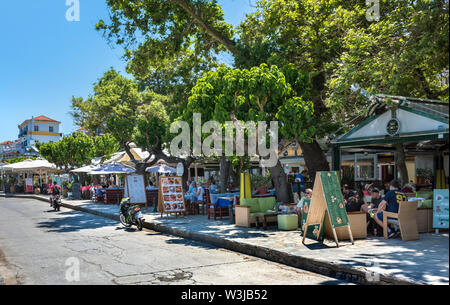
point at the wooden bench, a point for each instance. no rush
(358, 225)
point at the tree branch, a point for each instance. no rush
(227, 43)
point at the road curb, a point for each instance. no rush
(342, 272)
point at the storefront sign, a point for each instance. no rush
(440, 209)
(393, 127)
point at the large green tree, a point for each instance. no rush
(259, 94)
(78, 150)
(118, 107)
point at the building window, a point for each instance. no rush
(36, 128)
(51, 129)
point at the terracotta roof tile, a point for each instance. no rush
(44, 118)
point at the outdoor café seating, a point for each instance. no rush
(113, 196)
(250, 208)
(220, 209)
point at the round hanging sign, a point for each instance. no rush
(393, 127)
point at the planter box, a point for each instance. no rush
(425, 220)
(358, 225)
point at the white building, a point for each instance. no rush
(9, 150)
(39, 129)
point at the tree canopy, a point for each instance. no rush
(78, 150)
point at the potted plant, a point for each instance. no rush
(12, 187)
(37, 189)
(424, 175)
(261, 183)
(65, 189)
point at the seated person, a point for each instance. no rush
(193, 192)
(260, 191)
(299, 208)
(213, 188)
(347, 193)
(112, 186)
(390, 203)
(375, 201)
(367, 189)
(199, 193)
(408, 188)
(151, 187)
(355, 203)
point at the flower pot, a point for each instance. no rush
(12, 189)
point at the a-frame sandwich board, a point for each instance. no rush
(327, 200)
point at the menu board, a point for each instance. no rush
(172, 195)
(334, 199)
(135, 189)
(440, 209)
(327, 201)
(313, 230)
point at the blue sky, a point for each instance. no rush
(45, 60)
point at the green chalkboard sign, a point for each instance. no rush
(313, 230)
(334, 199)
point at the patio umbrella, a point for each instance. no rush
(114, 168)
(161, 169)
(85, 169)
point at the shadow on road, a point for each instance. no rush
(72, 221)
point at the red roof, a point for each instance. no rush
(44, 118)
(6, 143)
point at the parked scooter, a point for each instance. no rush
(55, 202)
(130, 215)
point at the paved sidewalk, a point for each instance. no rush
(372, 260)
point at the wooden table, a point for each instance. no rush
(264, 217)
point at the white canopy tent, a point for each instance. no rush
(31, 166)
(38, 166)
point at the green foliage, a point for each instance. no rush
(18, 159)
(152, 123)
(167, 27)
(126, 113)
(77, 149)
(257, 94)
(72, 151)
(261, 181)
(105, 146)
(405, 53)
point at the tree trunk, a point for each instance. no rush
(236, 177)
(282, 187)
(401, 165)
(187, 164)
(224, 173)
(315, 158)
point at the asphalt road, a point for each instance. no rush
(39, 246)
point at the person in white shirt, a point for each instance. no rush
(199, 193)
(300, 204)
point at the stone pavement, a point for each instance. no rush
(372, 261)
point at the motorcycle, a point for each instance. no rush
(55, 202)
(130, 215)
